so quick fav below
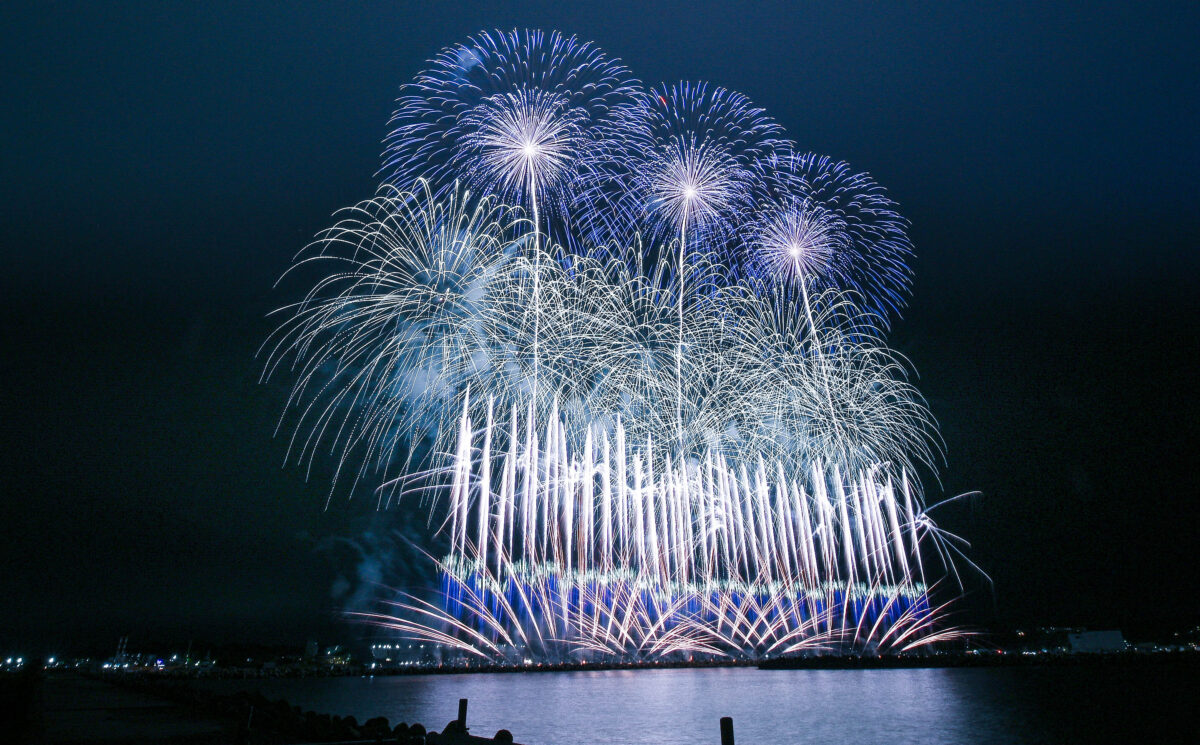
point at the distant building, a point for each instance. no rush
(337, 655)
(384, 652)
(310, 649)
(1110, 640)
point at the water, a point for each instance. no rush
(1154, 704)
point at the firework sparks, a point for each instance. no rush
(395, 326)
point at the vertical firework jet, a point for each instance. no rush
(617, 549)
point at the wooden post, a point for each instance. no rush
(462, 713)
(726, 730)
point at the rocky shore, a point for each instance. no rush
(125, 708)
(257, 719)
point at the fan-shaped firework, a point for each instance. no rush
(688, 438)
(610, 549)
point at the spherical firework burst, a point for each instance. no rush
(687, 164)
(830, 227)
(511, 114)
(798, 241)
(522, 143)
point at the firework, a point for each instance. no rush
(851, 403)
(596, 550)
(432, 300)
(626, 345)
(689, 160)
(509, 113)
(686, 161)
(394, 327)
(829, 227)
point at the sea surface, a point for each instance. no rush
(1009, 706)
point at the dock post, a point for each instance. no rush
(462, 714)
(726, 730)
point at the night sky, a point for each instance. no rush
(162, 164)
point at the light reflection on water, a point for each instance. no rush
(684, 706)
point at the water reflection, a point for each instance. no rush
(683, 707)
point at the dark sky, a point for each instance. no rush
(163, 162)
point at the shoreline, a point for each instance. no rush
(823, 662)
(1004, 659)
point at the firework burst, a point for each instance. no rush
(395, 326)
(824, 224)
(611, 549)
(511, 114)
(685, 161)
